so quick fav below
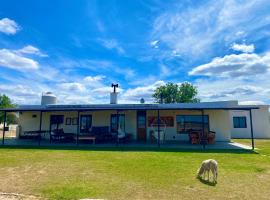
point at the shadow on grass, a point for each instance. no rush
(114, 147)
(206, 182)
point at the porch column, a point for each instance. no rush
(117, 122)
(40, 124)
(251, 129)
(78, 127)
(204, 139)
(4, 128)
(158, 128)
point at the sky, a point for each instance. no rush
(76, 49)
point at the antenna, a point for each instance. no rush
(114, 87)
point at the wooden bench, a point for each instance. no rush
(87, 137)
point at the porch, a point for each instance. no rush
(154, 125)
(131, 145)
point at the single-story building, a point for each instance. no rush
(197, 123)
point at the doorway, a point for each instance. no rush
(141, 125)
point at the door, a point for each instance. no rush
(85, 123)
(141, 125)
(120, 121)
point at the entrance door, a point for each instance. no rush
(141, 125)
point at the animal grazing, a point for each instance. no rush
(206, 166)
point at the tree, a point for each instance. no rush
(174, 93)
(5, 102)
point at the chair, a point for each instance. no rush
(211, 137)
(59, 135)
(194, 137)
(161, 134)
(122, 135)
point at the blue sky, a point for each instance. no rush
(76, 49)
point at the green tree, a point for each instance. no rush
(174, 93)
(5, 102)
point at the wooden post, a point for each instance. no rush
(117, 122)
(4, 128)
(78, 127)
(40, 124)
(158, 129)
(251, 129)
(203, 133)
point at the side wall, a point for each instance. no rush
(261, 123)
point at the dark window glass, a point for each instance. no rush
(85, 123)
(141, 121)
(56, 121)
(239, 122)
(121, 122)
(194, 122)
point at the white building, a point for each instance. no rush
(205, 122)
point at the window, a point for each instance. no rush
(194, 122)
(121, 122)
(56, 121)
(141, 123)
(85, 123)
(68, 121)
(239, 122)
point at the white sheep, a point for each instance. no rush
(206, 166)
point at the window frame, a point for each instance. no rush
(91, 123)
(119, 115)
(185, 131)
(237, 123)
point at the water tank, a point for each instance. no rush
(48, 98)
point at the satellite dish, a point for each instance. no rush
(142, 100)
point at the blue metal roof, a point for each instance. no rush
(224, 105)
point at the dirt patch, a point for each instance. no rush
(14, 196)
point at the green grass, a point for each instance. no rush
(134, 174)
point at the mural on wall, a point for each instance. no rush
(164, 120)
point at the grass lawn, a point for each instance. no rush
(122, 174)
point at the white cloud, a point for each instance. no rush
(200, 31)
(233, 65)
(251, 102)
(234, 89)
(72, 87)
(94, 78)
(12, 60)
(135, 94)
(112, 44)
(8, 26)
(243, 48)
(154, 44)
(31, 50)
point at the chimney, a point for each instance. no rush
(114, 94)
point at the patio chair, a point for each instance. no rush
(122, 136)
(60, 136)
(161, 134)
(211, 137)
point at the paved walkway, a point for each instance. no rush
(167, 145)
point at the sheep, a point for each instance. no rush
(206, 166)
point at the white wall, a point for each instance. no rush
(219, 122)
(218, 119)
(261, 123)
(99, 118)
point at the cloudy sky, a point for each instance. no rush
(76, 49)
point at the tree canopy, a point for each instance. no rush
(5, 102)
(174, 93)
